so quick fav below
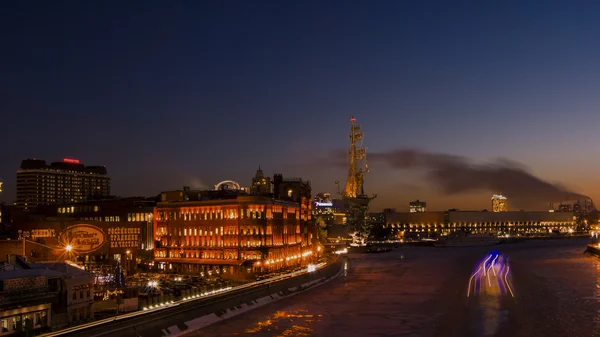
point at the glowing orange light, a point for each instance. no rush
(72, 161)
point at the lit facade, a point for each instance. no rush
(499, 203)
(100, 233)
(431, 224)
(63, 182)
(241, 233)
(417, 206)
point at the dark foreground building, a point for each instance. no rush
(37, 298)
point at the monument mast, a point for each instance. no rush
(356, 201)
(356, 153)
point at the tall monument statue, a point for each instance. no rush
(355, 199)
(356, 154)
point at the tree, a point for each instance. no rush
(380, 233)
(322, 229)
(119, 278)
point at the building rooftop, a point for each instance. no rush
(25, 273)
(65, 165)
(232, 199)
(60, 267)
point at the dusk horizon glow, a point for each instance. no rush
(190, 94)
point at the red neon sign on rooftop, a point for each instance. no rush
(72, 161)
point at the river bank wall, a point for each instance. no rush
(193, 315)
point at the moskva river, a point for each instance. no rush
(537, 288)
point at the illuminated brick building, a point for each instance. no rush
(233, 232)
(59, 183)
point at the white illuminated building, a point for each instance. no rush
(499, 203)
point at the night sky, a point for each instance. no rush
(167, 94)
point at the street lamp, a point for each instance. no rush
(68, 248)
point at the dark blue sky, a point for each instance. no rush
(194, 92)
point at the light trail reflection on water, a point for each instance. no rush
(491, 277)
(489, 283)
(345, 268)
(283, 324)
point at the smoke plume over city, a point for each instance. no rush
(456, 174)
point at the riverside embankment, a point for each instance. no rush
(187, 316)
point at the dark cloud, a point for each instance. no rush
(455, 175)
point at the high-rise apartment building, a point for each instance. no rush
(499, 203)
(63, 182)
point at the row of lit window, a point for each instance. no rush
(207, 255)
(228, 230)
(50, 177)
(485, 224)
(131, 217)
(72, 209)
(14, 324)
(203, 214)
(97, 218)
(481, 230)
(220, 243)
(47, 170)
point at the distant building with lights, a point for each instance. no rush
(417, 206)
(66, 182)
(291, 189)
(261, 185)
(565, 208)
(323, 208)
(499, 203)
(417, 225)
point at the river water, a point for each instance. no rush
(423, 292)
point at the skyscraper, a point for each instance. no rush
(59, 183)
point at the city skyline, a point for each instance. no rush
(196, 94)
